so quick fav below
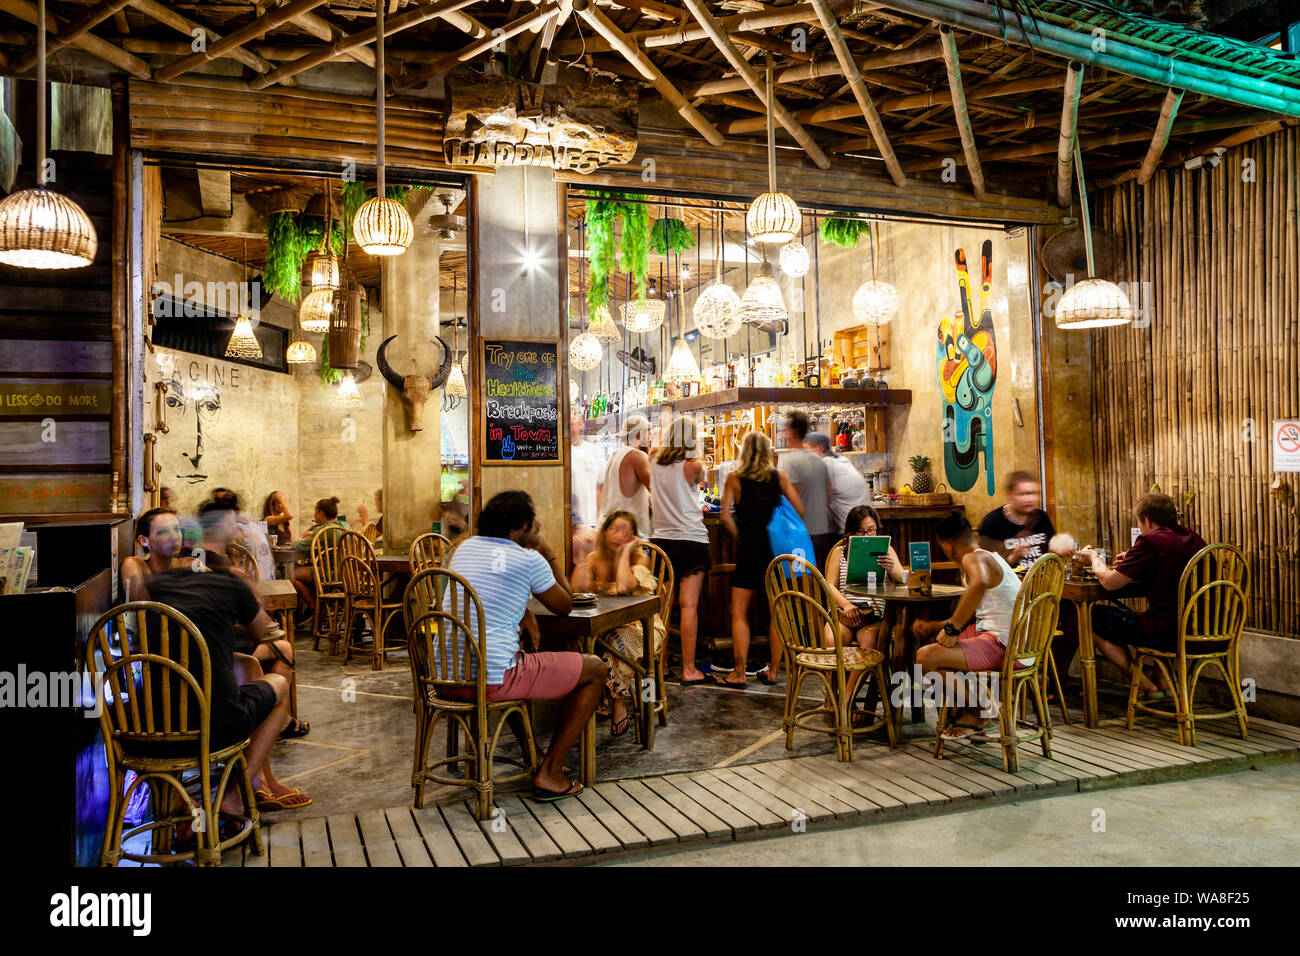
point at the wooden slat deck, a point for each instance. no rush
(652, 814)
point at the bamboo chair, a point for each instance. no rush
(802, 611)
(1045, 576)
(327, 578)
(1032, 624)
(1212, 596)
(158, 725)
(363, 594)
(446, 638)
(662, 570)
(429, 550)
(243, 561)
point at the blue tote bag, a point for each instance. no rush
(787, 534)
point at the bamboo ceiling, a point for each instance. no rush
(933, 87)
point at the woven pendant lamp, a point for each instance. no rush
(382, 226)
(455, 384)
(682, 366)
(794, 259)
(321, 268)
(717, 309)
(243, 343)
(40, 229)
(347, 396)
(773, 216)
(762, 304)
(874, 302)
(300, 353)
(1093, 303)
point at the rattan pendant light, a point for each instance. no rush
(644, 315)
(682, 366)
(773, 216)
(39, 228)
(322, 266)
(382, 226)
(602, 323)
(455, 385)
(1093, 303)
(875, 303)
(243, 343)
(716, 312)
(795, 259)
(762, 305)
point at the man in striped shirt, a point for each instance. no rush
(507, 562)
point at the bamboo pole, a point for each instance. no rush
(818, 68)
(254, 30)
(950, 59)
(69, 34)
(87, 41)
(1160, 138)
(183, 24)
(1069, 123)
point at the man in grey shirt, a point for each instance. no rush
(807, 472)
(848, 487)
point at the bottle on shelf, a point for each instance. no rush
(731, 375)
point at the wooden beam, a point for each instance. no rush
(652, 8)
(254, 30)
(87, 41)
(214, 191)
(1069, 126)
(541, 50)
(74, 29)
(869, 111)
(183, 24)
(354, 41)
(948, 40)
(442, 65)
(596, 19)
(741, 66)
(323, 29)
(1160, 138)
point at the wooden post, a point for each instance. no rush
(1160, 138)
(949, 43)
(1069, 125)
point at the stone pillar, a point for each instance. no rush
(412, 460)
(517, 231)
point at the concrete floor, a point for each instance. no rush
(1186, 824)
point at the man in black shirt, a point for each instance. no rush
(1019, 530)
(245, 702)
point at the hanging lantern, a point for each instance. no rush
(762, 305)
(40, 229)
(773, 217)
(875, 303)
(456, 383)
(644, 316)
(682, 366)
(585, 352)
(322, 271)
(794, 259)
(315, 311)
(1093, 304)
(382, 226)
(300, 353)
(602, 325)
(345, 328)
(347, 395)
(243, 343)
(717, 311)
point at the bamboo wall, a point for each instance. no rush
(1189, 400)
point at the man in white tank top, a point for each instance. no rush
(627, 477)
(974, 638)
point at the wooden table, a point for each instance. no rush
(1083, 595)
(286, 559)
(280, 597)
(585, 625)
(394, 562)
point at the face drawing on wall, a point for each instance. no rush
(967, 366)
(205, 399)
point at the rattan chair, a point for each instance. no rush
(429, 550)
(1033, 622)
(447, 644)
(885, 636)
(1212, 594)
(363, 594)
(155, 718)
(327, 577)
(370, 532)
(1045, 577)
(803, 608)
(243, 561)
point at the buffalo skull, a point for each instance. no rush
(415, 388)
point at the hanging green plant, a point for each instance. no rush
(354, 194)
(602, 214)
(284, 257)
(311, 230)
(634, 246)
(669, 235)
(845, 233)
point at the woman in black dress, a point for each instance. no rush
(754, 489)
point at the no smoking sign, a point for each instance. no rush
(1286, 445)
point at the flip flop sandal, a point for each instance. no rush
(733, 686)
(618, 728)
(973, 728)
(763, 677)
(550, 796)
(706, 679)
(266, 801)
(296, 728)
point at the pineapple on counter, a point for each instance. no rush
(922, 483)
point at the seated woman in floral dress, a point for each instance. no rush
(620, 566)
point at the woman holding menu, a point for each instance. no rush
(859, 622)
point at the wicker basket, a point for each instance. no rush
(931, 499)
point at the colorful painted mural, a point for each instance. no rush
(967, 366)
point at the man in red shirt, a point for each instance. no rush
(1156, 562)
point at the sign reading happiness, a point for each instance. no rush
(497, 121)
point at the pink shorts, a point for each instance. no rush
(982, 649)
(549, 675)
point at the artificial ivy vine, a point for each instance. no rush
(284, 257)
(845, 233)
(670, 236)
(631, 252)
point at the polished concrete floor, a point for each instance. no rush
(1239, 819)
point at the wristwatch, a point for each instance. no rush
(949, 629)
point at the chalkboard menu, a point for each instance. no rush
(521, 403)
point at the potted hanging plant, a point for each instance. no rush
(669, 235)
(631, 250)
(845, 233)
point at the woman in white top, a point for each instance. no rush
(991, 589)
(627, 476)
(859, 622)
(675, 476)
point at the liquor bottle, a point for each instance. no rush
(731, 375)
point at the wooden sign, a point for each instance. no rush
(521, 403)
(498, 121)
(54, 494)
(55, 399)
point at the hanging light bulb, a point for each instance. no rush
(762, 305)
(773, 216)
(40, 229)
(682, 366)
(602, 325)
(644, 316)
(1093, 303)
(300, 353)
(717, 311)
(456, 383)
(794, 259)
(585, 352)
(382, 225)
(347, 395)
(875, 303)
(315, 311)
(243, 343)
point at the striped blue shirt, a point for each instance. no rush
(505, 575)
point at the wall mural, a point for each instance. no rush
(967, 366)
(193, 392)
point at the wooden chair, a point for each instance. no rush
(370, 532)
(1032, 624)
(363, 594)
(885, 636)
(429, 550)
(327, 577)
(158, 725)
(447, 644)
(802, 611)
(1212, 594)
(243, 561)
(1045, 577)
